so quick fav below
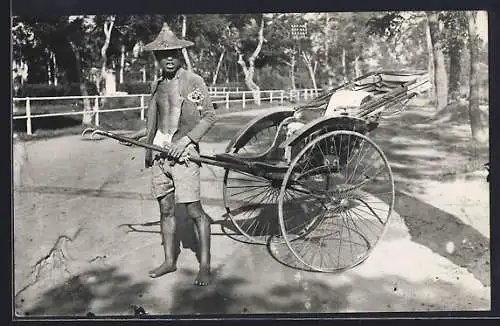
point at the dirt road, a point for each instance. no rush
(74, 255)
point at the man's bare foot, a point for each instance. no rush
(203, 278)
(162, 270)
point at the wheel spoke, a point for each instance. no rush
(248, 198)
(323, 198)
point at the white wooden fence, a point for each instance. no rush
(219, 97)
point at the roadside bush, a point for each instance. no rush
(45, 90)
(135, 87)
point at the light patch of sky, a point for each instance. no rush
(482, 24)
(87, 19)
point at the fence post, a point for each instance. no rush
(270, 96)
(282, 96)
(243, 99)
(227, 100)
(28, 116)
(142, 107)
(96, 110)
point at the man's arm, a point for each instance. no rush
(208, 116)
(151, 119)
(151, 122)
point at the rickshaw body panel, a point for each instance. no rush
(273, 117)
(327, 124)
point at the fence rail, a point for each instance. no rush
(217, 96)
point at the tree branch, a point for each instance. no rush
(285, 62)
(255, 53)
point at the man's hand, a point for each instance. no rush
(175, 151)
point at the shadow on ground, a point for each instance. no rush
(107, 287)
(421, 147)
(446, 235)
(234, 295)
(108, 291)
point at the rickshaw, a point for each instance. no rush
(309, 176)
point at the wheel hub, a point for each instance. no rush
(344, 203)
(338, 205)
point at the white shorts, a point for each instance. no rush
(162, 140)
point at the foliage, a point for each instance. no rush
(366, 40)
(45, 90)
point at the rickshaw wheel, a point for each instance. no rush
(336, 200)
(251, 202)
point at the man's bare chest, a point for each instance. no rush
(169, 95)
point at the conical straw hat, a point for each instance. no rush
(167, 40)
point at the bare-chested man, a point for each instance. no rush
(179, 114)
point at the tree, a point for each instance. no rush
(107, 27)
(183, 35)
(440, 75)
(208, 32)
(71, 39)
(350, 41)
(132, 33)
(76, 35)
(242, 31)
(282, 47)
(455, 34)
(478, 120)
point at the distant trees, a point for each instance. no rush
(261, 48)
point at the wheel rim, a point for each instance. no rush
(342, 199)
(251, 202)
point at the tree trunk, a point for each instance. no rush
(455, 54)
(249, 73)
(54, 64)
(122, 64)
(214, 80)
(344, 68)
(184, 50)
(250, 70)
(108, 26)
(87, 115)
(440, 75)
(328, 67)
(49, 69)
(357, 70)
(430, 61)
(478, 119)
(307, 60)
(292, 71)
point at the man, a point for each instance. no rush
(177, 121)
